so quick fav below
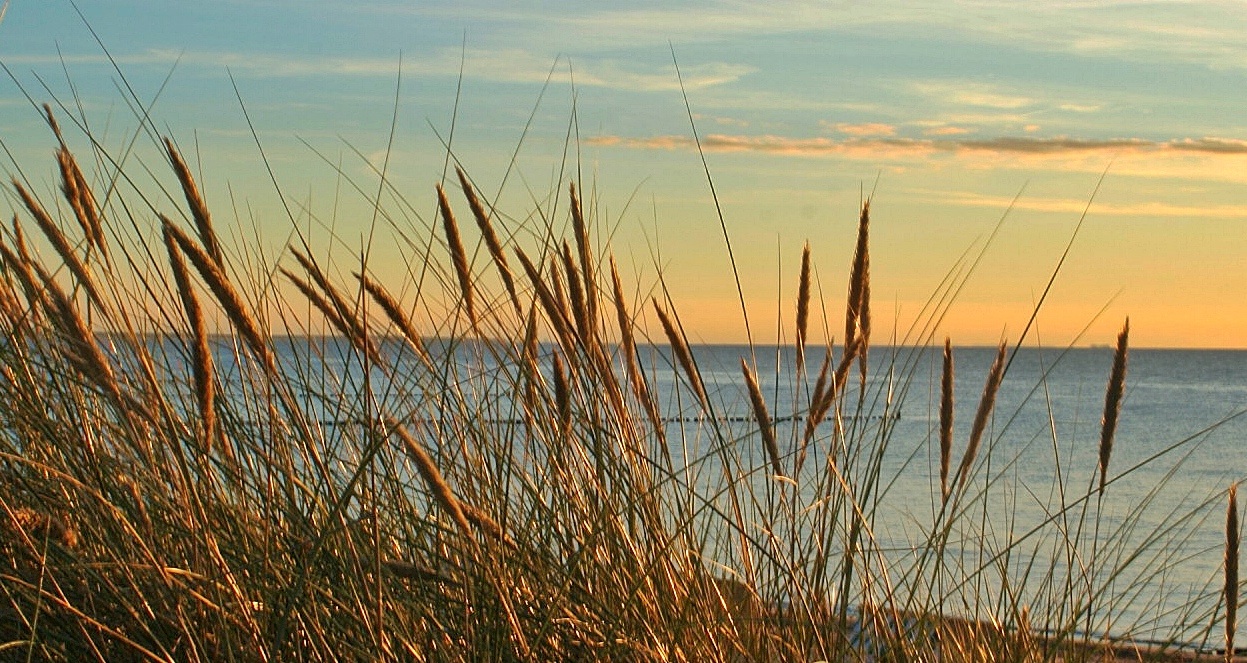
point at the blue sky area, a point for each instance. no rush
(946, 110)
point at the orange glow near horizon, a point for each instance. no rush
(947, 117)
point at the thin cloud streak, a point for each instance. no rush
(945, 131)
(1203, 32)
(863, 129)
(1076, 206)
(972, 93)
(888, 147)
(508, 65)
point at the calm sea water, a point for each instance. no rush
(1179, 445)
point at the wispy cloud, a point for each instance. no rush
(510, 65)
(258, 64)
(1209, 145)
(1023, 145)
(946, 130)
(970, 93)
(1204, 31)
(723, 121)
(920, 147)
(991, 100)
(997, 104)
(154, 56)
(1207, 32)
(862, 129)
(1186, 159)
(1080, 108)
(985, 119)
(1076, 206)
(766, 144)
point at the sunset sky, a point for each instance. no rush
(946, 110)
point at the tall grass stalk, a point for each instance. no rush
(1231, 571)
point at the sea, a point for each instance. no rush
(1144, 556)
(1034, 520)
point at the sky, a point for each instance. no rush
(943, 112)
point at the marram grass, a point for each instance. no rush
(169, 494)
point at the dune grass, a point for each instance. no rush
(327, 476)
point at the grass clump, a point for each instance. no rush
(509, 481)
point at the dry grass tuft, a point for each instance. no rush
(433, 480)
(199, 208)
(826, 397)
(60, 243)
(202, 363)
(814, 417)
(77, 192)
(347, 325)
(562, 396)
(18, 261)
(556, 312)
(394, 312)
(627, 343)
(232, 304)
(576, 293)
(513, 490)
(857, 313)
(491, 239)
(34, 530)
(803, 304)
(588, 271)
(485, 523)
(763, 417)
(946, 417)
(1112, 400)
(82, 349)
(333, 305)
(457, 254)
(982, 415)
(680, 348)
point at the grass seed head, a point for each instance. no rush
(682, 353)
(946, 417)
(588, 271)
(803, 304)
(981, 416)
(857, 313)
(77, 193)
(238, 313)
(194, 200)
(395, 313)
(458, 255)
(433, 479)
(60, 243)
(1112, 400)
(486, 226)
(203, 368)
(763, 418)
